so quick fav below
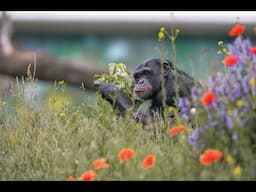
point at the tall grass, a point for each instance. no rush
(61, 139)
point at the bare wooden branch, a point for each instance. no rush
(50, 68)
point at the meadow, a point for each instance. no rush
(212, 138)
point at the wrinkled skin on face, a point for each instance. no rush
(147, 79)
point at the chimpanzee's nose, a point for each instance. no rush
(141, 81)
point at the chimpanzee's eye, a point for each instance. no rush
(146, 73)
(137, 78)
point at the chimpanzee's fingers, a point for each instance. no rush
(97, 83)
(101, 86)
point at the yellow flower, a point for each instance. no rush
(120, 65)
(58, 101)
(220, 43)
(62, 114)
(237, 171)
(252, 81)
(230, 112)
(219, 52)
(61, 82)
(162, 29)
(160, 36)
(229, 159)
(171, 109)
(240, 103)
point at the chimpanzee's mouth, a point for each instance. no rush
(139, 93)
(140, 89)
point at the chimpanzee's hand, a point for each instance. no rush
(108, 91)
(111, 93)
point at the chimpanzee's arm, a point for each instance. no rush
(111, 93)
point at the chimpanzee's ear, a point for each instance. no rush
(167, 65)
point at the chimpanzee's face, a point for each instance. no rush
(147, 79)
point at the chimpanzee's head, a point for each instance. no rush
(148, 78)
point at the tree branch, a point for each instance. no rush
(49, 68)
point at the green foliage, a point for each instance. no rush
(120, 76)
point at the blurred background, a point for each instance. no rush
(101, 37)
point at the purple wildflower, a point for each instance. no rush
(194, 137)
(184, 106)
(229, 122)
(236, 91)
(234, 137)
(245, 83)
(233, 91)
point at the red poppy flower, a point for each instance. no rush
(230, 60)
(177, 129)
(88, 175)
(208, 98)
(126, 153)
(148, 162)
(253, 50)
(210, 156)
(238, 29)
(70, 178)
(100, 164)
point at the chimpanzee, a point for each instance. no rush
(148, 86)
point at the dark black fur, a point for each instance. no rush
(147, 85)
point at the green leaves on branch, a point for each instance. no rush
(120, 76)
